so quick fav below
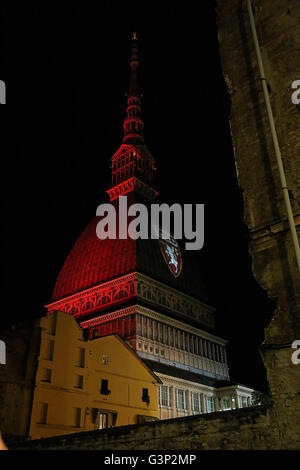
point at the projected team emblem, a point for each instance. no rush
(171, 253)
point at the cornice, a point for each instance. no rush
(174, 300)
(139, 309)
(178, 381)
(132, 285)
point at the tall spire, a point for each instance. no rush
(133, 124)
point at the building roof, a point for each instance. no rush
(162, 368)
(92, 261)
(132, 351)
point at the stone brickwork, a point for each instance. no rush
(238, 429)
(17, 378)
(274, 266)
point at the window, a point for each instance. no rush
(205, 348)
(209, 349)
(183, 340)
(213, 350)
(159, 327)
(180, 399)
(179, 339)
(103, 421)
(196, 403)
(200, 347)
(78, 382)
(145, 396)
(103, 329)
(49, 350)
(150, 330)
(87, 306)
(164, 395)
(121, 326)
(186, 342)
(76, 415)
(196, 345)
(42, 414)
(225, 403)
(223, 354)
(209, 404)
(175, 337)
(165, 334)
(169, 336)
(108, 328)
(127, 326)
(192, 344)
(217, 352)
(115, 326)
(46, 375)
(105, 360)
(155, 327)
(138, 324)
(104, 387)
(80, 356)
(244, 402)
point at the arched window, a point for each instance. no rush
(120, 295)
(103, 300)
(87, 306)
(74, 310)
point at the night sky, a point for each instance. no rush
(67, 68)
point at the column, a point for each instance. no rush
(203, 403)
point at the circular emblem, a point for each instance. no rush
(171, 253)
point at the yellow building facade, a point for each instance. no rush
(83, 385)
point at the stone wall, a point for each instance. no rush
(17, 377)
(274, 266)
(238, 429)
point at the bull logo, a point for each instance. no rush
(171, 253)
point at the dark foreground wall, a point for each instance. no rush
(238, 429)
(270, 243)
(273, 257)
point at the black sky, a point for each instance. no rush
(66, 68)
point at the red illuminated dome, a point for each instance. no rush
(93, 261)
